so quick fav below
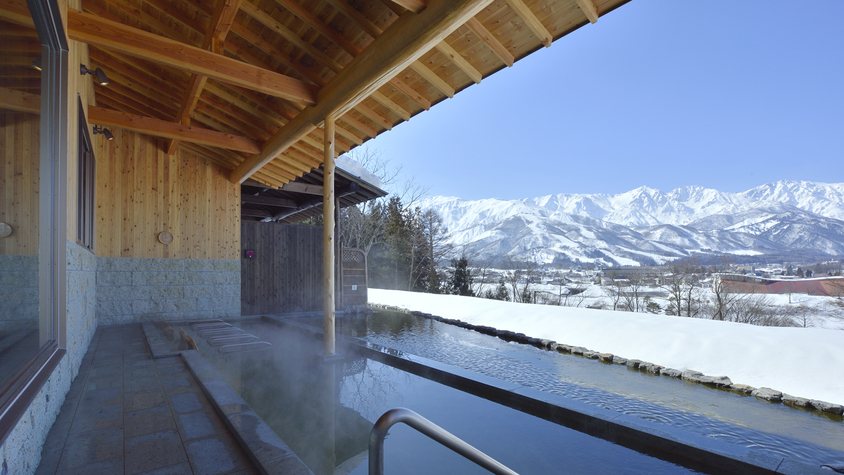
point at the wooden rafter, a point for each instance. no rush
(160, 128)
(401, 44)
(415, 6)
(89, 28)
(221, 20)
(460, 62)
(589, 9)
(391, 105)
(484, 35)
(531, 21)
(432, 78)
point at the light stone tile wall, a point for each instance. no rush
(21, 452)
(131, 290)
(18, 293)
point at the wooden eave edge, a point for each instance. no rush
(405, 41)
(91, 29)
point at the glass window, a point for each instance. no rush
(33, 150)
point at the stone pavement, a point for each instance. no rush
(127, 413)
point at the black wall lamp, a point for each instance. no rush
(98, 129)
(36, 65)
(102, 79)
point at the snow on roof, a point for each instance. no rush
(352, 167)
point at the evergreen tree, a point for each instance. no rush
(461, 279)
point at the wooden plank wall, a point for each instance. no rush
(19, 151)
(286, 273)
(142, 191)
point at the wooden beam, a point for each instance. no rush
(328, 237)
(365, 23)
(460, 62)
(19, 101)
(172, 130)
(255, 213)
(589, 9)
(221, 21)
(481, 32)
(415, 6)
(522, 10)
(404, 42)
(90, 29)
(303, 188)
(268, 200)
(432, 78)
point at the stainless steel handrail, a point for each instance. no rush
(433, 431)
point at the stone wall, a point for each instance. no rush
(21, 452)
(131, 290)
(18, 293)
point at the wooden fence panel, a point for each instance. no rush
(286, 273)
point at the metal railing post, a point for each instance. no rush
(433, 431)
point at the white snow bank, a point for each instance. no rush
(352, 167)
(804, 362)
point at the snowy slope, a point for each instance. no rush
(647, 226)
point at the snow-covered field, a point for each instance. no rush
(804, 362)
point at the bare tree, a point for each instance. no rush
(613, 287)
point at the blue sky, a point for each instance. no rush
(722, 94)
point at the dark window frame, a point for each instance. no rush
(86, 185)
(18, 393)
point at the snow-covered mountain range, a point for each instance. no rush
(647, 226)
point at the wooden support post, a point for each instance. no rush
(328, 239)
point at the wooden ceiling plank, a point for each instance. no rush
(484, 35)
(283, 168)
(315, 23)
(460, 62)
(19, 101)
(411, 93)
(522, 10)
(140, 16)
(415, 6)
(432, 78)
(160, 128)
(267, 20)
(221, 20)
(236, 124)
(367, 130)
(589, 9)
(89, 28)
(238, 113)
(150, 74)
(178, 16)
(402, 43)
(365, 23)
(211, 156)
(116, 104)
(389, 104)
(273, 51)
(137, 101)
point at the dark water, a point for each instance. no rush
(325, 412)
(777, 429)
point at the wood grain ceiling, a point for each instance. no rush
(229, 79)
